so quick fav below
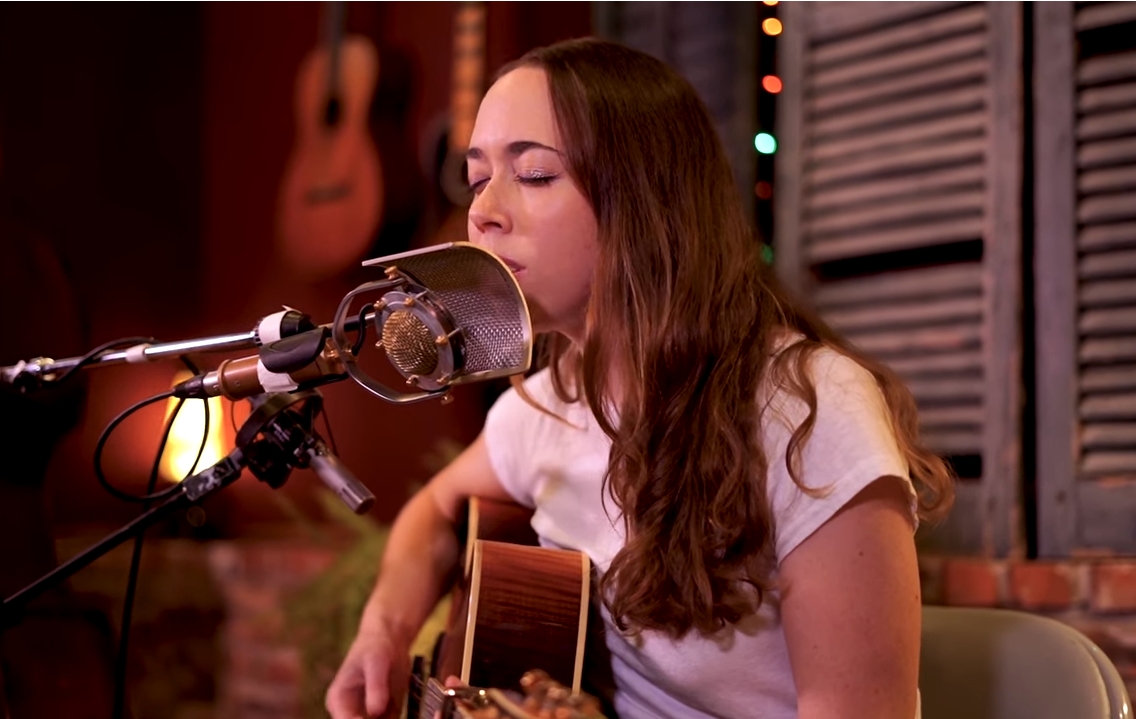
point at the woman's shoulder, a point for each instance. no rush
(836, 377)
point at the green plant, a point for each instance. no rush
(323, 616)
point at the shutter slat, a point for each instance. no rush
(1104, 293)
(928, 208)
(905, 139)
(1107, 264)
(921, 342)
(1107, 237)
(1121, 435)
(892, 317)
(956, 442)
(963, 278)
(889, 115)
(1105, 153)
(1102, 99)
(932, 54)
(956, 390)
(946, 362)
(933, 79)
(1105, 14)
(1108, 378)
(1107, 350)
(1100, 209)
(963, 416)
(836, 21)
(1115, 320)
(1097, 463)
(1107, 68)
(916, 32)
(1107, 124)
(893, 240)
(1110, 180)
(1114, 406)
(896, 189)
(956, 152)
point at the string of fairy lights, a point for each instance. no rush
(765, 141)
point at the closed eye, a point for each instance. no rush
(537, 180)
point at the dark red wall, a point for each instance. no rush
(148, 141)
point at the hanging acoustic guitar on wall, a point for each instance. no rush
(331, 198)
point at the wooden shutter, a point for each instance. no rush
(1085, 90)
(899, 217)
(712, 44)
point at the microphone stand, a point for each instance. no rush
(275, 439)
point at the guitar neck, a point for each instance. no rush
(468, 73)
(333, 30)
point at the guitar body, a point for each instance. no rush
(331, 198)
(518, 608)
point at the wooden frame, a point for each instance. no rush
(988, 515)
(1055, 267)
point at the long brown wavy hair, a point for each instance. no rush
(680, 333)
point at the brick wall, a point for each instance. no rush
(1096, 596)
(264, 672)
(210, 637)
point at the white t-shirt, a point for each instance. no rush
(557, 468)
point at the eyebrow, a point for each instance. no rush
(513, 149)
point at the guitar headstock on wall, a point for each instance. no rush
(445, 149)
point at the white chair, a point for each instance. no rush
(1004, 664)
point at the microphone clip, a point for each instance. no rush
(293, 353)
(280, 436)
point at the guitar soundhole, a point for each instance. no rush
(332, 112)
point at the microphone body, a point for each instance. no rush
(302, 361)
(338, 478)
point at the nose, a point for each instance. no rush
(488, 212)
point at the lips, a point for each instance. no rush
(512, 264)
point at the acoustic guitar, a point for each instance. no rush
(518, 623)
(331, 198)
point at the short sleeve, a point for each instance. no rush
(852, 445)
(509, 434)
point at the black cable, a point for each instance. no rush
(93, 354)
(105, 436)
(136, 556)
(362, 335)
(330, 436)
(233, 417)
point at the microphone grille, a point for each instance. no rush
(484, 301)
(410, 344)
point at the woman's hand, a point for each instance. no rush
(372, 680)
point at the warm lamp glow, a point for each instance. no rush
(771, 83)
(770, 2)
(771, 26)
(185, 435)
